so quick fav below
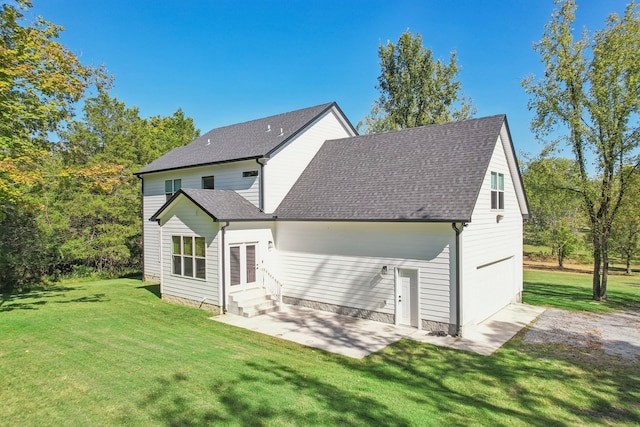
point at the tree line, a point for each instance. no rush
(559, 220)
(69, 202)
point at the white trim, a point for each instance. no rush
(507, 146)
(161, 261)
(243, 285)
(221, 269)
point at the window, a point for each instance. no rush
(242, 264)
(171, 187)
(247, 174)
(208, 182)
(188, 256)
(497, 190)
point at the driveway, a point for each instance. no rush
(614, 334)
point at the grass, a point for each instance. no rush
(573, 291)
(112, 353)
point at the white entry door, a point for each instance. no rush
(407, 297)
(243, 266)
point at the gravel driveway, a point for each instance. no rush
(615, 334)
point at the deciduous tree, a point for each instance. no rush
(416, 89)
(556, 212)
(589, 99)
(99, 154)
(625, 233)
(40, 81)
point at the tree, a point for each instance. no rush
(40, 81)
(415, 89)
(554, 203)
(625, 233)
(97, 158)
(589, 97)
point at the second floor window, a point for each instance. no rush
(171, 186)
(497, 190)
(208, 182)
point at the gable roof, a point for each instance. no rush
(220, 205)
(429, 173)
(249, 140)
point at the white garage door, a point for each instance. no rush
(493, 288)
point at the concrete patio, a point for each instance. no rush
(357, 338)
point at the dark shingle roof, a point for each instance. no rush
(220, 205)
(430, 173)
(240, 141)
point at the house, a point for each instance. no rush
(419, 227)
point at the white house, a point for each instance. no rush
(419, 227)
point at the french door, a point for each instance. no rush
(243, 266)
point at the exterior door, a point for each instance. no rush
(243, 266)
(407, 297)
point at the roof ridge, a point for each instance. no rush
(241, 141)
(432, 125)
(325, 105)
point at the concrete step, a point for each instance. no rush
(248, 295)
(251, 303)
(259, 310)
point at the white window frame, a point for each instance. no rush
(497, 191)
(187, 257)
(243, 265)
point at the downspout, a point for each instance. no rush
(224, 287)
(458, 299)
(142, 211)
(261, 192)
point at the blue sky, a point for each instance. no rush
(225, 61)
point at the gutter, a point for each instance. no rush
(458, 296)
(261, 192)
(224, 288)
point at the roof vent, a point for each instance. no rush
(208, 141)
(268, 128)
(281, 132)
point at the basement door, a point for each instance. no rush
(407, 297)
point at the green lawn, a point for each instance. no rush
(112, 353)
(572, 291)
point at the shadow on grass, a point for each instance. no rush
(154, 289)
(576, 298)
(515, 373)
(258, 396)
(89, 298)
(448, 386)
(35, 299)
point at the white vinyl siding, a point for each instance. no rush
(227, 177)
(285, 166)
(492, 246)
(339, 263)
(185, 220)
(151, 233)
